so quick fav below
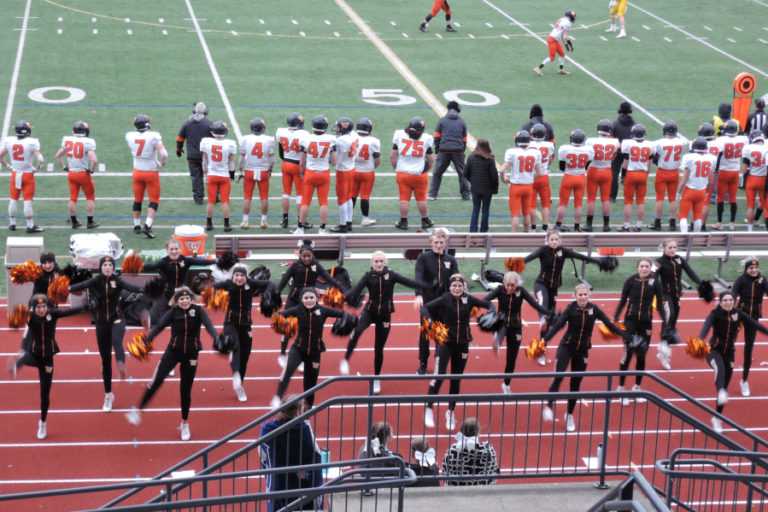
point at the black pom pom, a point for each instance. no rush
(706, 291)
(224, 344)
(344, 325)
(200, 282)
(494, 276)
(608, 263)
(260, 273)
(76, 274)
(491, 321)
(227, 260)
(355, 300)
(154, 288)
(270, 300)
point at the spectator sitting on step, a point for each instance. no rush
(470, 456)
(423, 463)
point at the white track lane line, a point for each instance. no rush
(16, 67)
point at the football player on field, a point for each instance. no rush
(575, 158)
(617, 9)
(145, 145)
(556, 40)
(367, 159)
(600, 175)
(257, 158)
(437, 6)
(80, 150)
(637, 154)
(698, 172)
(346, 150)
(22, 149)
(667, 157)
(289, 146)
(524, 165)
(707, 130)
(541, 183)
(412, 157)
(318, 154)
(753, 164)
(729, 145)
(218, 171)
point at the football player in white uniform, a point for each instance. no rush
(637, 154)
(556, 40)
(541, 185)
(80, 150)
(524, 165)
(218, 171)
(754, 162)
(26, 159)
(346, 150)
(667, 157)
(412, 157)
(698, 173)
(318, 154)
(289, 146)
(730, 145)
(145, 145)
(257, 158)
(599, 175)
(575, 158)
(367, 159)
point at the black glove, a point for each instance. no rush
(179, 152)
(569, 45)
(65, 169)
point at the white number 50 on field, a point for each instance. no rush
(395, 97)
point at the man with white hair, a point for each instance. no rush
(195, 128)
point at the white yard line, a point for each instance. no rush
(575, 63)
(15, 74)
(216, 78)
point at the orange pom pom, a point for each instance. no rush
(288, 327)
(209, 297)
(515, 264)
(138, 347)
(437, 332)
(18, 317)
(607, 333)
(333, 298)
(58, 290)
(28, 272)
(133, 264)
(696, 347)
(474, 313)
(221, 303)
(536, 348)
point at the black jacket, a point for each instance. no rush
(194, 129)
(451, 134)
(185, 328)
(106, 295)
(434, 270)
(538, 119)
(622, 126)
(749, 291)
(725, 326)
(305, 275)
(381, 289)
(552, 261)
(40, 338)
(309, 338)
(511, 305)
(44, 281)
(455, 313)
(670, 270)
(174, 273)
(581, 322)
(640, 294)
(241, 299)
(482, 175)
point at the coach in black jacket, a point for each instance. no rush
(450, 144)
(621, 128)
(195, 128)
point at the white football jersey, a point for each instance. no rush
(318, 149)
(218, 152)
(605, 149)
(561, 26)
(576, 158)
(143, 146)
(21, 152)
(640, 153)
(257, 150)
(757, 155)
(547, 150)
(368, 149)
(412, 153)
(730, 148)
(670, 151)
(699, 167)
(346, 149)
(522, 164)
(290, 140)
(76, 149)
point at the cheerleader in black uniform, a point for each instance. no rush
(724, 321)
(186, 321)
(308, 346)
(510, 297)
(104, 292)
(380, 282)
(670, 268)
(304, 273)
(454, 308)
(237, 321)
(749, 289)
(50, 272)
(580, 316)
(638, 294)
(552, 257)
(38, 348)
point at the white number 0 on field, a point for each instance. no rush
(395, 97)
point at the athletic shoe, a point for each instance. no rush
(281, 360)
(121, 371)
(12, 227)
(227, 227)
(564, 229)
(426, 223)
(431, 198)
(537, 70)
(606, 229)
(570, 425)
(322, 231)
(93, 225)
(744, 387)
(505, 388)
(429, 418)
(655, 227)
(35, 229)
(308, 225)
(621, 35)
(611, 29)
(639, 400)
(109, 398)
(209, 227)
(137, 229)
(623, 229)
(423, 27)
(547, 414)
(241, 396)
(76, 224)
(588, 228)
(402, 224)
(450, 28)
(664, 360)
(722, 397)
(300, 368)
(185, 435)
(341, 228)
(624, 400)
(133, 417)
(275, 402)
(344, 367)
(41, 430)
(376, 387)
(637, 229)
(563, 72)
(450, 420)
(422, 369)
(542, 361)
(147, 231)
(732, 226)
(298, 231)
(716, 226)
(284, 223)
(12, 367)
(717, 425)
(263, 224)
(244, 225)
(368, 222)
(237, 381)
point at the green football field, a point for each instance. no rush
(104, 63)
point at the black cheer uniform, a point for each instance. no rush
(576, 342)
(749, 292)
(307, 346)
(670, 271)
(173, 274)
(183, 349)
(378, 310)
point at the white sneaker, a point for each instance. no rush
(109, 398)
(429, 418)
(547, 414)
(744, 387)
(298, 231)
(611, 29)
(41, 430)
(244, 225)
(624, 400)
(376, 387)
(263, 224)
(722, 397)
(367, 222)
(321, 231)
(664, 360)
(621, 35)
(717, 425)
(281, 360)
(185, 435)
(732, 226)
(542, 361)
(570, 425)
(237, 381)
(241, 396)
(450, 420)
(133, 417)
(12, 367)
(275, 402)
(300, 369)
(344, 367)
(505, 388)
(639, 400)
